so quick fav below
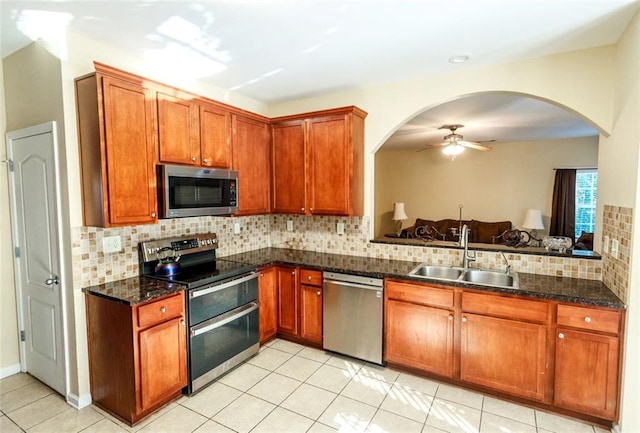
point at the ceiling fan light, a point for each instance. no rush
(453, 150)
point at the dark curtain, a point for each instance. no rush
(563, 208)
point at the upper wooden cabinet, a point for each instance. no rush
(251, 158)
(318, 163)
(191, 131)
(116, 129)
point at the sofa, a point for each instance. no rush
(479, 231)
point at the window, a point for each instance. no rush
(586, 192)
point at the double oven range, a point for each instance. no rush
(221, 299)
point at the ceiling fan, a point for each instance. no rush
(453, 144)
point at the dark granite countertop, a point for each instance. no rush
(562, 289)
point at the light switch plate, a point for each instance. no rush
(236, 228)
(614, 248)
(340, 228)
(111, 244)
(290, 225)
(605, 244)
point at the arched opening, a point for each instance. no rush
(528, 137)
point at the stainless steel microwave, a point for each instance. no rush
(196, 191)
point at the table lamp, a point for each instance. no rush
(399, 215)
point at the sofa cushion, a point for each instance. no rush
(486, 232)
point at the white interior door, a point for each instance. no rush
(33, 188)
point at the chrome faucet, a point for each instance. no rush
(464, 242)
(507, 261)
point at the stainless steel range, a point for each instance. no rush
(221, 303)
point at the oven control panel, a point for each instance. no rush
(181, 245)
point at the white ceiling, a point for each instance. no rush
(278, 50)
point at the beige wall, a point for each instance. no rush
(9, 355)
(492, 186)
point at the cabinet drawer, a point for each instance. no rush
(159, 311)
(589, 318)
(510, 308)
(419, 294)
(309, 277)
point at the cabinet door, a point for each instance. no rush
(178, 134)
(268, 298)
(586, 373)
(287, 301)
(505, 355)
(215, 137)
(163, 367)
(288, 156)
(311, 313)
(130, 152)
(329, 168)
(419, 337)
(251, 158)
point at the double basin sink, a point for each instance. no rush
(472, 276)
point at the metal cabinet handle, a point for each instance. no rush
(205, 160)
(193, 158)
(261, 274)
(450, 317)
(293, 272)
(464, 319)
(310, 209)
(182, 322)
(52, 281)
(587, 319)
(153, 214)
(163, 310)
(309, 277)
(561, 335)
(302, 209)
(318, 293)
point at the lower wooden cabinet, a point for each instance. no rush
(268, 299)
(587, 361)
(311, 306)
(287, 282)
(507, 344)
(137, 354)
(419, 335)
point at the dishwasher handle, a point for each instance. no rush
(349, 284)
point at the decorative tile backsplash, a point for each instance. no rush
(617, 224)
(317, 233)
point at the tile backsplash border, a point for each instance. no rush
(316, 233)
(617, 223)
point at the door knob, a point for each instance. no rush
(318, 293)
(52, 281)
(561, 335)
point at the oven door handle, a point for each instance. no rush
(223, 319)
(206, 291)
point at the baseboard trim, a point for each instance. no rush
(616, 428)
(9, 371)
(79, 402)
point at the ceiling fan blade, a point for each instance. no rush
(425, 147)
(475, 146)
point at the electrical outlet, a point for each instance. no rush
(290, 225)
(111, 244)
(236, 228)
(340, 228)
(614, 248)
(605, 245)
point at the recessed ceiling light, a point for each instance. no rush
(458, 59)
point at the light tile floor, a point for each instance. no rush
(291, 388)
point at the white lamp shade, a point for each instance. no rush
(398, 212)
(533, 220)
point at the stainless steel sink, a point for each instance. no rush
(490, 278)
(471, 276)
(437, 272)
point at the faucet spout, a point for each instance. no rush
(464, 242)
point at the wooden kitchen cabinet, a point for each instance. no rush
(251, 152)
(268, 299)
(287, 281)
(419, 327)
(178, 129)
(137, 354)
(587, 360)
(116, 128)
(192, 131)
(504, 344)
(318, 163)
(311, 306)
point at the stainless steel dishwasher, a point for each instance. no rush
(352, 316)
